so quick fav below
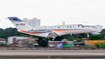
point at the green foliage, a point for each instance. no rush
(100, 45)
(88, 46)
(58, 38)
(5, 33)
(42, 41)
(94, 37)
(3, 44)
(103, 31)
(78, 40)
(100, 36)
(73, 37)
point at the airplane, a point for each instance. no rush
(54, 31)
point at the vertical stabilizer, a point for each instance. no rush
(20, 25)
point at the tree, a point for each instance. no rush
(58, 38)
(42, 41)
(102, 35)
(103, 31)
(94, 37)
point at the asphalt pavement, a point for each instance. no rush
(52, 53)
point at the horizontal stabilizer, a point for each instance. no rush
(98, 28)
(95, 33)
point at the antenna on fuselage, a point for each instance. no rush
(63, 23)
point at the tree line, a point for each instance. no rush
(5, 33)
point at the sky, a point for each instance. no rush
(54, 12)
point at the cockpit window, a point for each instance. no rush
(80, 26)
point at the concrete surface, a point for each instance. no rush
(52, 53)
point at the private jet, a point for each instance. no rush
(54, 31)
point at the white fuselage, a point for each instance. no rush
(50, 31)
(53, 31)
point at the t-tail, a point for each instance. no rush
(19, 24)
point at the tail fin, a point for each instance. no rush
(20, 25)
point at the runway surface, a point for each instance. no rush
(52, 53)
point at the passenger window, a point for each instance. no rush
(67, 26)
(70, 26)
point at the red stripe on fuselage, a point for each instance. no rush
(53, 30)
(23, 31)
(29, 31)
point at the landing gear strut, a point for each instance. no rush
(87, 34)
